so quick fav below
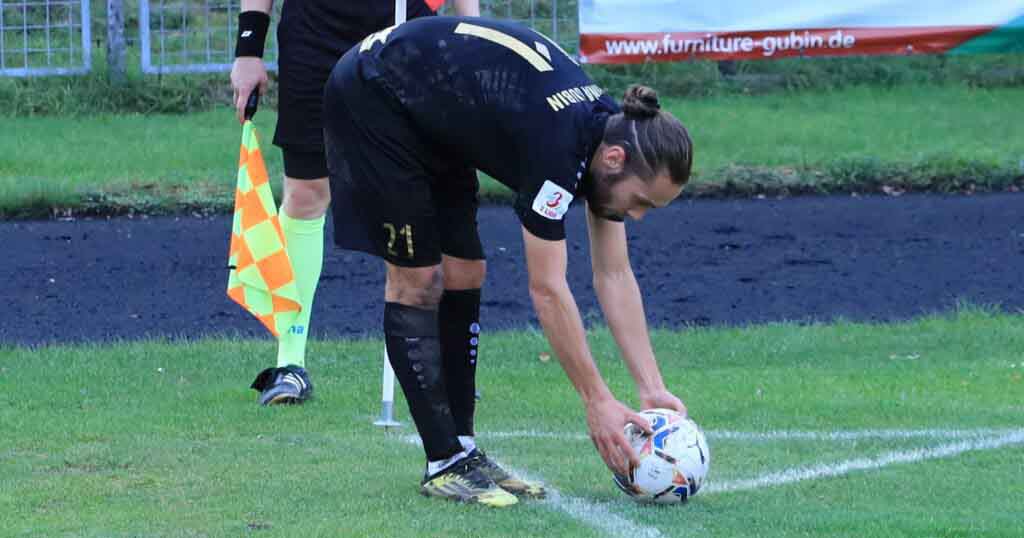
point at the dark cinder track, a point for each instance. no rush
(698, 262)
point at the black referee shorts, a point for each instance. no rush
(304, 64)
(395, 194)
(312, 35)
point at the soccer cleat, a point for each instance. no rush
(288, 385)
(464, 482)
(504, 480)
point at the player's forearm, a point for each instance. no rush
(257, 5)
(563, 327)
(467, 8)
(622, 304)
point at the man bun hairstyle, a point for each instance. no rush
(654, 139)
(640, 102)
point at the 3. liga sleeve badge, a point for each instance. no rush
(552, 201)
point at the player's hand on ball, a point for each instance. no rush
(248, 74)
(662, 399)
(607, 419)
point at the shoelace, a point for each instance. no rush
(469, 472)
(484, 462)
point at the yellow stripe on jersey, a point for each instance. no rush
(507, 41)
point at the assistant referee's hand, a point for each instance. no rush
(248, 74)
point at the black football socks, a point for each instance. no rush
(414, 349)
(458, 317)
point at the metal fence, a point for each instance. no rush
(44, 37)
(196, 36)
(47, 37)
(556, 18)
(193, 36)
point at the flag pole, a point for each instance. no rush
(387, 401)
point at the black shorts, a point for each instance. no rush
(311, 37)
(304, 63)
(395, 195)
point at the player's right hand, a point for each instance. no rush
(248, 74)
(607, 419)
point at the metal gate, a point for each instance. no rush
(198, 36)
(44, 37)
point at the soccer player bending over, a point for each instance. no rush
(312, 35)
(410, 113)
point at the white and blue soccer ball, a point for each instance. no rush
(674, 460)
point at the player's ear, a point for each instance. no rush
(613, 158)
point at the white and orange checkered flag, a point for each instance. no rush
(261, 278)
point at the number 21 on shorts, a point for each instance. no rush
(393, 233)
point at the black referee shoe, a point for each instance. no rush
(288, 385)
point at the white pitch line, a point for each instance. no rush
(798, 474)
(780, 435)
(612, 524)
(522, 434)
(592, 514)
(853, 435)
(588, 513)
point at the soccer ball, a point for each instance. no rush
(674, 459)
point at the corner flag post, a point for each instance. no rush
(387, 401)
(400, 13)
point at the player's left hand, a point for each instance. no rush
(661, 399)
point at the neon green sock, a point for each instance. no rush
(305, 239)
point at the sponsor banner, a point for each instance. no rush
(674, 46)
(673, 30)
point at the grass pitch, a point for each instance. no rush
(853, 430)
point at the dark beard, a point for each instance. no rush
(599, 194)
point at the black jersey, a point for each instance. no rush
(499, 97)
(345, 20)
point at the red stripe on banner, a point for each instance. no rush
(754, 45)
